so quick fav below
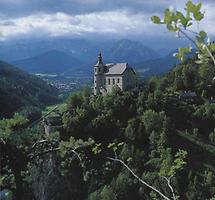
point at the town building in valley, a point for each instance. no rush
(108, 76)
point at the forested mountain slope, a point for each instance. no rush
(145, 130)
(158, 133)
(19, 89)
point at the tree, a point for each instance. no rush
(180, 23)
(13, 153)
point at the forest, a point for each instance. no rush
(22, 92)
(158, 134)
(157, 142)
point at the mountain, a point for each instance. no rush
(19, 89)
(23, 49)
(156, 66)
(127, 51)
(159, 66)
(49, 62)
(80, 49)
(72, 56)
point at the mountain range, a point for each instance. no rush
(77, 56)
(49, 62)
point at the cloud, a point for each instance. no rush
(208, 23)
(83, 18)
(118, 22)
(26, 7)
(7, 23)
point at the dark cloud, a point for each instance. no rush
(85, 18)
(7, 23)
(27, 7)
(14, 8)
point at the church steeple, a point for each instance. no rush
(99, 75)
(99, 62)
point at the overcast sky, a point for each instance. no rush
(90, 18)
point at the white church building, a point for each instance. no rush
(108, 76)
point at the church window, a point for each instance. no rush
(95, 69)
(118, 80)
(113, 81)
(99, 69)
(108, 81)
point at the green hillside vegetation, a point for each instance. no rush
(19, 89)
(152, 125)
(154, 132)
(155, 143)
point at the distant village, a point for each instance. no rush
(66, 84)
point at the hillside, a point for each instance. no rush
(159, 66)
(154, 67)
(19, 89)
(50, 62)
(155, 132)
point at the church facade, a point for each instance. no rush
(108, 76)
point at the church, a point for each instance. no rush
(108, 76)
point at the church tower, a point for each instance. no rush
(98, 75)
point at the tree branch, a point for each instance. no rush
(142, 181)
(193, 41)
(39, 142)
(210, 54)
(188, 37)
(54, 150)
(169, 185)
(45, 152)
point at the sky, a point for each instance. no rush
(92, 19)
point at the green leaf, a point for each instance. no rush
(120, 144)
(203, 34)
(199, 6)
(156, 19)
(171, 28)
(96, 149)
(129, 159)
(199, 39)
(195, 9)
(182, 51)
(190, 6)
(184, 20)
(111, 145)
(212, 46)
(189, 24)
(168, 16)
(115, 149)
(198, 16)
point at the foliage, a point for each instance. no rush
(19, 89)
(159, 135)
(180, 23)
